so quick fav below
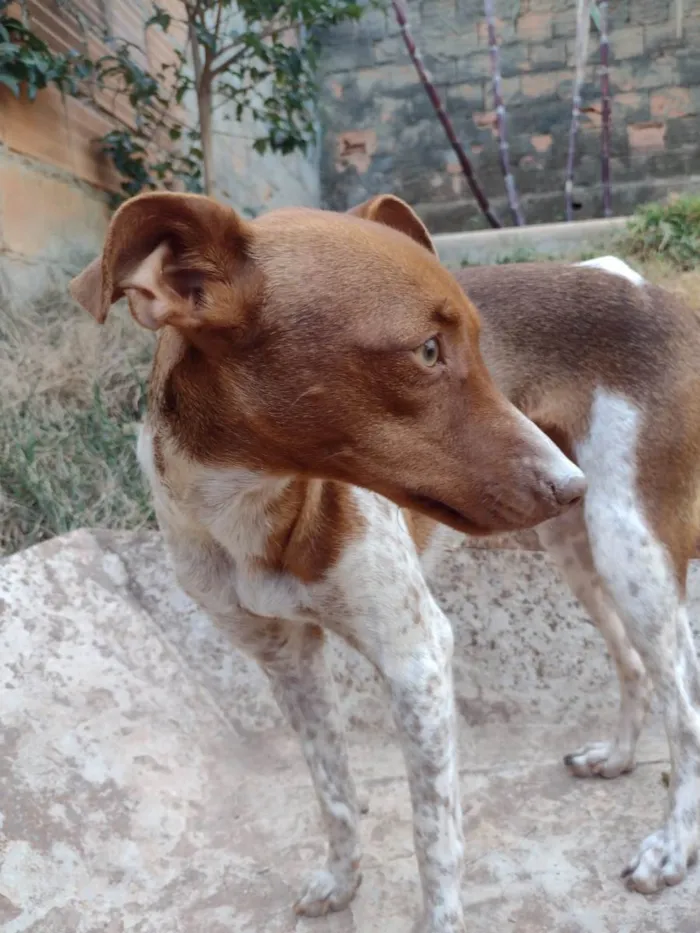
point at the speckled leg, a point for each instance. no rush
(566, 539)
(292, 656)
(413, 652)
(638, 572)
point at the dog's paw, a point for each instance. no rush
(660, 862)
(452, 923)
(324, 892)
(600, 759)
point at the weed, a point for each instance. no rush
(670, 231)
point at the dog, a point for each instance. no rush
(321, 404)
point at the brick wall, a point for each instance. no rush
(382, 135)
(53, 180)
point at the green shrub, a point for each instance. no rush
(668, 231)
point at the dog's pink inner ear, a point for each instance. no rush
(160, 292)
(391, 211)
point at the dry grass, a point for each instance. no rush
(684, 284)
(70, 395)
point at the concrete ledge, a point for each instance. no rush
(482, 247)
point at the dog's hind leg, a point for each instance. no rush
(566, 539)
(643, 575)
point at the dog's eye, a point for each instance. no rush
(429, 352)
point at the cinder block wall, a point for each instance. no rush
(381, 133)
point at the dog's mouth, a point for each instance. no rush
(447, 515)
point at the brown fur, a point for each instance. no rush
(420, 528)
(289, 346)
(309, 525)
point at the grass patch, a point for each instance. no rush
(668, 231)
(71, 394)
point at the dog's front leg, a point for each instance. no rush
(292, 656)
(423, 704)
(413, 651)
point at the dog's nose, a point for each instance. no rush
(570, 490)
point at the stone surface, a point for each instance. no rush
(148, 783)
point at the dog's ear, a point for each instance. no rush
(180, 259)
(391, 211)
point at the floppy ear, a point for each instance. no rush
(391, 211)
(180, 259)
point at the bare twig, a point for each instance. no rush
(583, 10)
(494, 54)
(431, 91)
(605, 116)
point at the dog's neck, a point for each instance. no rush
(280, 524)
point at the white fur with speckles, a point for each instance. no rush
(636, 572)
(377, 598)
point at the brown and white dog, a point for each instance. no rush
(319, 395)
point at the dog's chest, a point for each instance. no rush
(215, 526)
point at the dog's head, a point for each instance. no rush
(322, 344)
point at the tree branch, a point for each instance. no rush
(434, 98)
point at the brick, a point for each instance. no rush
(541, 142)
(389, 50)
(533, 26)
(355, 148)
(667, 164)
(688, 62)
(510, 89)
(661, 38)
(386, 108)
(470, 95)
(627, 42)
(632, 106)
(549, 116)
(648, 12)
(486, 120)
(682, 131)
(647, 137)
(547, 84)
(642, 74)
(383, 78)
(564, 24)
(551, 6)
(37, 129)
(671, 102)
(372, 25)
(441, 69)
(548, 54)
(359, 54)
(513, 59)
(64, 206)
(505, 31)
(592, 114)
(85, 127)
(471, 68)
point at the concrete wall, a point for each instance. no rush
(382, 135)
(53, 181)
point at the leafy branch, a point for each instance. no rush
(250, 60)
